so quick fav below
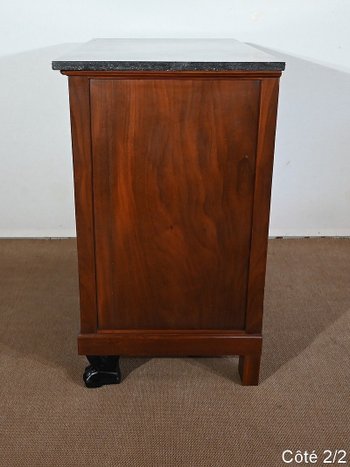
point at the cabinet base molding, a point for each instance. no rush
(104, 368)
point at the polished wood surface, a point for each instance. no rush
(173, 192)
(261, 210)
(170, 343)
(172, 187)
(79, 95)
(249, 368)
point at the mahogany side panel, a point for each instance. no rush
(261, 209)
(79, 97)
(173, 185)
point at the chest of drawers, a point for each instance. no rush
(173, 144)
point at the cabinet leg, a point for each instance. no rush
(249, 366)
(102, 370)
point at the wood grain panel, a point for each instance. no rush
(174, 168)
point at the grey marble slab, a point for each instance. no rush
(166, 55)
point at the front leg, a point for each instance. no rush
(102, 370)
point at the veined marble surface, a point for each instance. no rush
(167, 55)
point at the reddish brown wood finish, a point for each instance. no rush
(173, 191)
(79, 96)
(170, 343)
(261, 210)
(164, 192)
(249, 367)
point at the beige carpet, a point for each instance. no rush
(174, 412)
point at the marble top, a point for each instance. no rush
(166, 55)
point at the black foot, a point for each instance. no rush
(102, 370)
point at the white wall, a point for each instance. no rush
(311, 189)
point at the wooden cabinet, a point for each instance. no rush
(172, 175)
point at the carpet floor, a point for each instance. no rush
(174, 412)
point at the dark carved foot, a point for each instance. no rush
(102, 370)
